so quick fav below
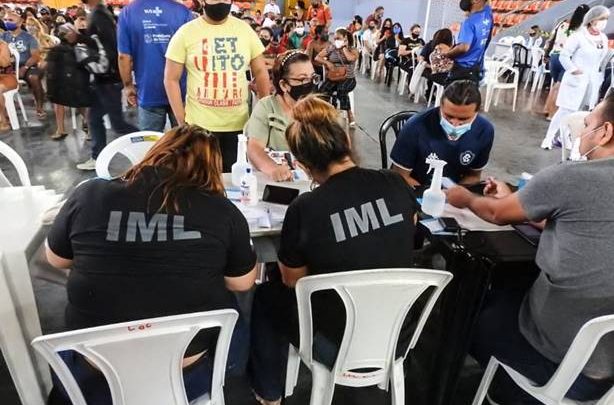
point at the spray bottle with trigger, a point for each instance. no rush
(434, 199)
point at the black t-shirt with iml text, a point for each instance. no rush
(358, 219)
(133, 260)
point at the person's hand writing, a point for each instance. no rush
(282, 173)
(496, 189)
(459, 197)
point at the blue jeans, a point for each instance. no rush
(107, 100)
(498, 334)
(154, 118)
(196, 377)
(556, 68)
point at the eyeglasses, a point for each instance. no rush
(315, 79)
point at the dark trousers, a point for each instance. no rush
(342, 89)
(459, 72)
(274, 326)
(107, 100)
(228, 146)
(497, 334)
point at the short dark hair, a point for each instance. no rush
(535, 27)
(413, 27)
(267, 29)
(463, 92)
(443, 36)
(607, 111)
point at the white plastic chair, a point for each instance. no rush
(553, 392)
(537, 68)
(11, 95)
(571, 127)
(17, 161)
(134, 146)
(437, 91)
(404, 74)
(376, 303)
(141, 360)
(494, 70)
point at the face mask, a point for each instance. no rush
(532, 34)
(396, 30)
(300, 30)
(82, 31)
(60, 22)
(576, 155)
(465, 5)
(416, 35)
(599, 25)
(265, 42)
(454, 133)
(339, 43)
(217, 12)
(302, 90)
(324, 37)
(371, 27)
(11, 26)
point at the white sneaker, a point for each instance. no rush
(89, 164)
(546, 145)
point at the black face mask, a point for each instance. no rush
(265, 42)
(465, 5)
(217, 12)
(415, 36)
(302, 90)
(324, 37)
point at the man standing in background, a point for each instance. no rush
(473, 39)
(320, 12)
(145, 29)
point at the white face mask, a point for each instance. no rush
(576, 155)
(339, 43)
(300, 30)
(600, 25)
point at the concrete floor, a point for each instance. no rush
(51, 164)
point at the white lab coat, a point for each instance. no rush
(581, 53)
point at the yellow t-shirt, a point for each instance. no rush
(216, 58)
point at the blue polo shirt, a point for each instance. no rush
(24, 43)
(422, 135)
(475, 32)
(144, 30)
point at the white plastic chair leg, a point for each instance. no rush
(107, 122)
(323, 385)
(397, 383)
(403, 83)
(23, 109)
(497, 97)
(351, 97)
(515, 98)
(73, 118)
(294, 364)
(489, 374)
(489, 92)
(9, 103)
(428, 103)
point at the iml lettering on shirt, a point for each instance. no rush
(157, 225)
(364, 222)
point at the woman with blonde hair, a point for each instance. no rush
(45, 41)
(320, 235)
(160, 240)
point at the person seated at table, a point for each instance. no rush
(160, 240)
(293, 78)
(323, 233)
(453, 132)
(29, 56)
(532, 332)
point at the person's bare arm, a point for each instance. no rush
(125, 71)
(404, 50)
(172, 77)
(57, 261)
(406, 174)
(457, 51)
(263, 162)
(500, 211)
(5, 55)
(290, 275)
(241, 283)
(35, 57)
(322, 59)
(261, 74)
(474, 177)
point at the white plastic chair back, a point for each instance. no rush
(16, 56)
(519, 40)
(509, 40)
(376, 303)
(537, 54)
(553, 392)
(134, 146)
(141, 360)
(358, 41)
(17, 161)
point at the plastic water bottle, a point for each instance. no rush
(434, 199)
(238, 168)
(249, 188)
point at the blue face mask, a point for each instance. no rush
(454, 133)
(11, 26)
(396, 30)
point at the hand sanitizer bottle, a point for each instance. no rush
(238, 168)
(249, 188)
(434, 199)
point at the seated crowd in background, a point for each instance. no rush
(124, 271)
